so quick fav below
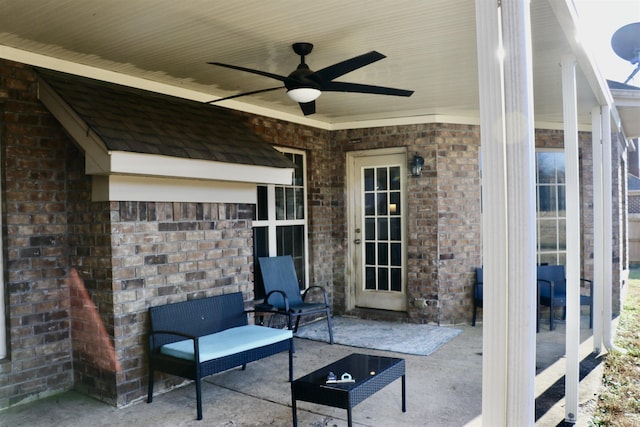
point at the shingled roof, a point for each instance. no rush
(138, 121)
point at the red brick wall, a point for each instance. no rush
(34, 167)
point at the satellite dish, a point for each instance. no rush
(626, 44)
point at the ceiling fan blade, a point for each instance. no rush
(250, 70)
(360, 88)
(341, 68)
(253, 92)
(308, 107)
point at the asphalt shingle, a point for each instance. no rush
(134, 120)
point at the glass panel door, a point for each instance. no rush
(378, 183)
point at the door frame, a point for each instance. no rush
(351, 269)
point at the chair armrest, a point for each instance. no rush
(316, 287)
(180, 334)
(590, 282)
(261, 307)
(195, 339)
(266, 308)
(284, 297)
(545, 282)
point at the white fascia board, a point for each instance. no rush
(567, 16)
(156, 189)
(626, 98)
(411, 120)
(128, 163)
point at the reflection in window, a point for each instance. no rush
(551, 209)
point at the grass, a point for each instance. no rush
(619, 400)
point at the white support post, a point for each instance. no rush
(507, 137)
(607, 291)
(494, 236)
(521, 217)
(598, 229)
(572, 348)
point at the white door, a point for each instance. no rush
(377, 229)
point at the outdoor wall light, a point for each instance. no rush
(416, 165)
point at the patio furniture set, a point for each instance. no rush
(201, 337)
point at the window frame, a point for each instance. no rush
(272, 223)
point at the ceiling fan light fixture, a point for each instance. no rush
(304, 94)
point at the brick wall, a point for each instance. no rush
(459, 219)
(34, 164)
(134, 255)
(81, 275)
(325, 199)
(619, 216)
(443, 213)
(91, 293)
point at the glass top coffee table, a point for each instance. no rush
(369, 374)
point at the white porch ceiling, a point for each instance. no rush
(164, 45)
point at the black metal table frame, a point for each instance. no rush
(313, 387)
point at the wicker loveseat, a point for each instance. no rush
(201, 337)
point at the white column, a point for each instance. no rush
(507, 136)
(607, 309)
(521, 205)
(570, 118)
(494, 215)
(598, 228)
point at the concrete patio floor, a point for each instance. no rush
(443, 389)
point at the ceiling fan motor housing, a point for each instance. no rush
(302, 49)
(302, 77)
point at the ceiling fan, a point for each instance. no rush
(304, 85)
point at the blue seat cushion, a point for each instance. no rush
(227, 342)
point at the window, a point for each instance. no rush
(551, 209)
(280, 225)
(382, 228)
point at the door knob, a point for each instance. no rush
(357, 241)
